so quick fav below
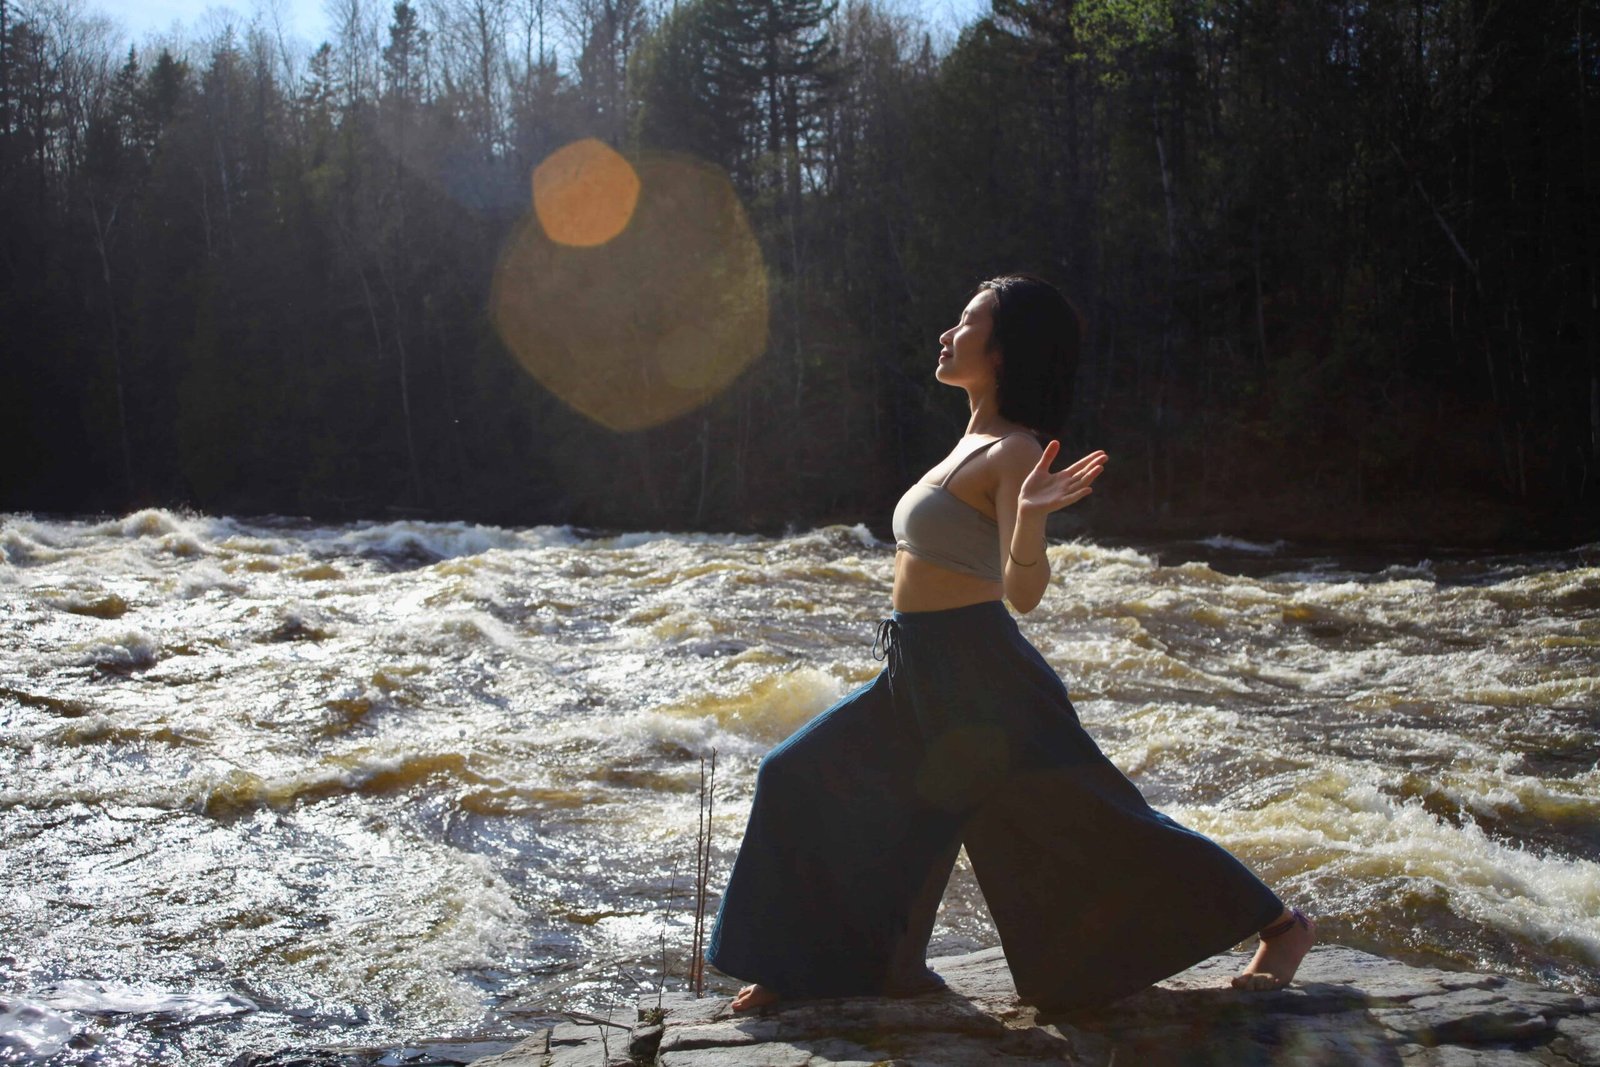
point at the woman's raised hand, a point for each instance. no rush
(1047, 491)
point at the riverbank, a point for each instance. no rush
(1414, 524)
(1347, 1007)
(1417, 524)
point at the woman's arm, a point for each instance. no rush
(1026, 493)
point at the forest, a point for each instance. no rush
(1337, 259)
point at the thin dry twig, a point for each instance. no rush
(594, 1020)
(702, 873)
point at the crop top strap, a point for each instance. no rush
(981, 448)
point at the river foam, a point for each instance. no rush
(388, 779)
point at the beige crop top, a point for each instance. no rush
(934, 524)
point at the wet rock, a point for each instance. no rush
(569, 1045)
(1578, 1036)
(430, 1053)
(530, 1053)
(1347, 1007)
(583, 1045)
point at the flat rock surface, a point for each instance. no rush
(1346, 1007)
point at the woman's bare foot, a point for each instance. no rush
(752, 997)
(1280, 952)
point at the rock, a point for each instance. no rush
(569, 1045)
(1578, 1036)
(432, 1051)
(589, 1045)
(1476, 1016)
(645, 1040)
(1459, 1056)
(1346, 1007)
(529, 1053)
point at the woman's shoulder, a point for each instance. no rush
(1015, 453)
(1015, 444)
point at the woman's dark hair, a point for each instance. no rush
(1038, 334)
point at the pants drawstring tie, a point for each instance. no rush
(886, 648)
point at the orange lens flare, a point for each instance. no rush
(584, 194)
(651, 320)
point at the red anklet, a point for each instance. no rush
(1283, 926)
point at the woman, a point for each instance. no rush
(967, 735)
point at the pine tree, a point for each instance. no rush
(777, 53)
(689, 99)
(405, 56)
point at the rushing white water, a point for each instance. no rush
(268, 784)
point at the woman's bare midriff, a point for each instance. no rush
(923, 586)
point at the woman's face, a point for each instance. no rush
(964, 355)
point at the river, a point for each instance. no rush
(267, 784)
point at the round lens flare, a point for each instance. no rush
(652, 320)
(584, 194)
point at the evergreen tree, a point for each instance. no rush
(1337, 259)
(779, 55)
(689, 98)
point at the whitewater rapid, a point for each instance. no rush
(268, 783)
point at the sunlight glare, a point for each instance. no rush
(650, 323)
(584, 194)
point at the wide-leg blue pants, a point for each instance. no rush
(967, 736)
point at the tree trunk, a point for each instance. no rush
(1261, 315)
(405, 391)
(705, 469)
(5, 79)
(101, 233)
(1591, 259)
(1164, 372)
